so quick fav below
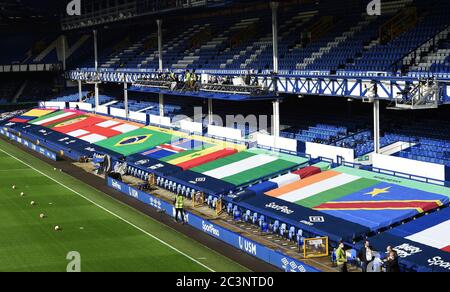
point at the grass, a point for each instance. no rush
(109, 235)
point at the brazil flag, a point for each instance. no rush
(137, 141)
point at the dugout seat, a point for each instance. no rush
(283, 230)
(275, 226)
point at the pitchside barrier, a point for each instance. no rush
(248, 246)
(41, 150)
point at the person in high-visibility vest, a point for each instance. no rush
(172, 77)
(341, 258)
(179, 207)
(187, 79)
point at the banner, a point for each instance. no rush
(49, 154)
(368, 202)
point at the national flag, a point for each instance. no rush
(162, 151)
(55, 117)
(133, 140)
(387, 196)
(180, 151)
(71, 124)
(437, 236)
(432, 230)
(136, 141)
(368, 202)
(240, 166)
(311, 186)
(31, 115)
(20, 119)
(207, 158)
(191, 154)
(37, 113)
(382, 205)
(92, 128)
(246, 166)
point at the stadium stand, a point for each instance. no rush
(344, 41)
(276, 185)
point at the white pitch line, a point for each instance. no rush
(112, 213)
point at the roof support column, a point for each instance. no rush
(210, 111)
(376, 125)
(276, 104)
(125, 99)
(274, 6)
(95, 50)
(80, 91)
(276, 118)
(97, 102)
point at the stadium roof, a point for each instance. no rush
(98, 12)
(13, 11)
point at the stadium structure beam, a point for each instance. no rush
(276, 104)
(276, 118)
(274, 6)
(63, 49)
(376, 125)
(95, 50)
(125, 98)
(322, 85)
(97, 102)
(160, 36)
(210, 111)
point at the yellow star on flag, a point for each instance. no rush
(376, 191)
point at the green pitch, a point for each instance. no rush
(109, 235)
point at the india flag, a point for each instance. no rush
(311, 186)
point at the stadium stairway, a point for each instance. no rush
(242, 24)
(333, 44)
(383, 56)
(294, 24)
(434, 52)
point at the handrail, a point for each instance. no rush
(264, 75)
(351, 136)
